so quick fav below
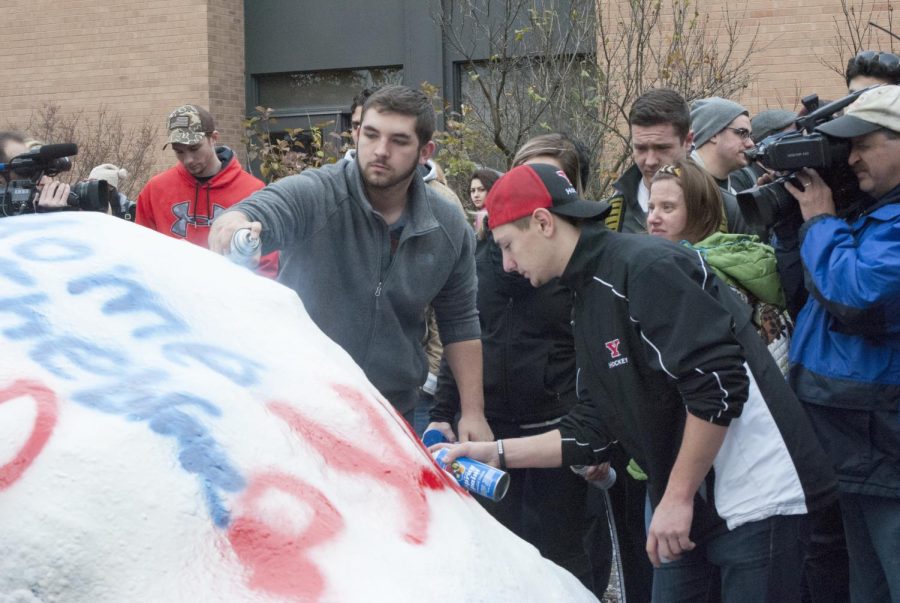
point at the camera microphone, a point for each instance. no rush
(49, 158)
(54, 151)
(26, 170)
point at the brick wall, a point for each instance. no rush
(797, 42)
(144, 58)
(141, 59)
(225, 25)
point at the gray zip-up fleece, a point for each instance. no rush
(336, 254)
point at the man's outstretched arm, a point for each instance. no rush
(465, 360)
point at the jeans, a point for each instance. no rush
(757, 562)
(420, 416)
(872, 527)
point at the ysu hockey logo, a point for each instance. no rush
(615, 354)
(613, 347)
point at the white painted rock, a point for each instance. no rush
(175, 428)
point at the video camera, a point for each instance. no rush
(788, 152)
(19, 196)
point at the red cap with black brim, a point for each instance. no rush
(526, 188)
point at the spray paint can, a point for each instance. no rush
(476, 477)
(432, 437)
(603, 484)
(244, 248)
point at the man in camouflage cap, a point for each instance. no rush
(190, 124)
(183, 201)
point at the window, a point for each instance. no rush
(318, 98)
(333, 88)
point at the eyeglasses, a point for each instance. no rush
(743, 133)
(671, 170)
(885, 59)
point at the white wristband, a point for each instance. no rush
(430, 385)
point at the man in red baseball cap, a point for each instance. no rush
(519, 195)
(673, 369)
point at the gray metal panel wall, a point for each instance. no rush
(284, 36)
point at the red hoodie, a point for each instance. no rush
(175, 203)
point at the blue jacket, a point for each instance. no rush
(845, 355)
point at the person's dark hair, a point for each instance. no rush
(206, 120)
(573, 156)
(405, 101)
(7, 137)
(584, 161)
(884, 66)
(702, 197)
(659, 106)
(525, 223)
(486, 176)
(360, 99)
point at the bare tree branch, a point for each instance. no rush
(577, 66)
(102, 137)
(855, 31)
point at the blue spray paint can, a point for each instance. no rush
(476, 477)
(244, 248)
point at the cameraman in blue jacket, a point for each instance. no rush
(845, 356)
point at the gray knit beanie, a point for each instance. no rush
(770, 121)
(709, 116)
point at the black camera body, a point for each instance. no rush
(791, 151)
(20, 196)
(788, 152)
(17, 198)
(126, 209)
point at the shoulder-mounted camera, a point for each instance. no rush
(23, 173)
(786, 153)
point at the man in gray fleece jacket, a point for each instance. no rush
(367, 247)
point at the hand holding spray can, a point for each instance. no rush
(604, 484)
(244, 248)
(472, 475)
(476, 477)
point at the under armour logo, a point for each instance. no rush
(613, 347)
(183, 218)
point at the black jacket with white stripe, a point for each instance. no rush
(658, 335)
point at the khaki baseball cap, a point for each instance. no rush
(874, 109)
(189, 124)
